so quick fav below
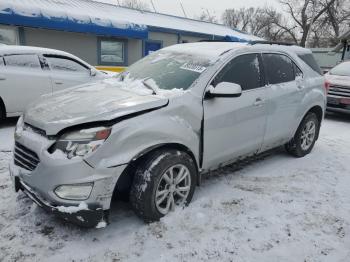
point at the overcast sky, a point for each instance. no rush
(194, 8)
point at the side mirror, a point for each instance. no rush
(225, 89)
(93, 72)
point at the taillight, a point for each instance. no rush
(326, 86)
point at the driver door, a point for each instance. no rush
(235, 127)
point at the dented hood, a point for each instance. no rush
(102, 101)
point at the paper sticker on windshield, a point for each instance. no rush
(193, 67)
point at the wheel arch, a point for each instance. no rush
(125, 181)
(318, 111)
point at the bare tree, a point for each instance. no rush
(207, 16)
(135, 4)
(305, 14)
(263, 22)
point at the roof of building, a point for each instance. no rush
(88, 16)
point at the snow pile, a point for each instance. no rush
(73, 209)
(276, 209)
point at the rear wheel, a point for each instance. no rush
(164, 181)
(305, 137)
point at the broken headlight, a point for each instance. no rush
(82, 142)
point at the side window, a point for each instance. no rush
(279, 68)
(65, 64)
(28, 61)
(243, 70)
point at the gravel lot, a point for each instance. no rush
(276, 209)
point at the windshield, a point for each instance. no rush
(167, 70)
(342, 69)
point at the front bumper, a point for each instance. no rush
(40, 183)
(338, 104)
(89, 217)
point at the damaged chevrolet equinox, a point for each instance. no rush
(152, 131)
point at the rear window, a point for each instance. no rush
(311, 62)
(28, 61)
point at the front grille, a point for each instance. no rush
(25, 157)
(341, 91)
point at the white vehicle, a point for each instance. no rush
(26, 73)
(152, 132)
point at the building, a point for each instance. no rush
(105, 35)
(344, 46)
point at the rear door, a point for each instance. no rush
(235, 127)
(67, 72)
(284, 91)
(23, 81)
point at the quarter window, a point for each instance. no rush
(243, 70)
(298, 73)
(64, 64)
(279, 68)
(112, 52)
(28, 61)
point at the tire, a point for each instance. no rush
(297, 146)
(2, 111)
(151, 178)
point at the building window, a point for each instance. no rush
(112, 52)
(8, 35)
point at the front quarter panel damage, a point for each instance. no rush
(178, 123)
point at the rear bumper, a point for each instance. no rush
(87, 217)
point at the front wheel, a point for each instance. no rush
(163, 181)
(305, 137)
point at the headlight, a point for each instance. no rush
(82, 142)
(74, 192)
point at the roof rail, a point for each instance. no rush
(262, 42)
(217, 40)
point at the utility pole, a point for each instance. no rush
(153, 6)
(183, 10)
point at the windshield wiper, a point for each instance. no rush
(144, 82)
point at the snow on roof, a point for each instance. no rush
(97, 17)
(211, 50)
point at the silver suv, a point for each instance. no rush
(152, 131)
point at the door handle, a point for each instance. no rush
(2, 78)
(259, 102)
(59, 83)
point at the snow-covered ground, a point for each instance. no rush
(276, 209)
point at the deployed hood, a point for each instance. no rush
(338, 80)
(101, 101)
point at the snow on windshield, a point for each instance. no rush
(166, 70)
